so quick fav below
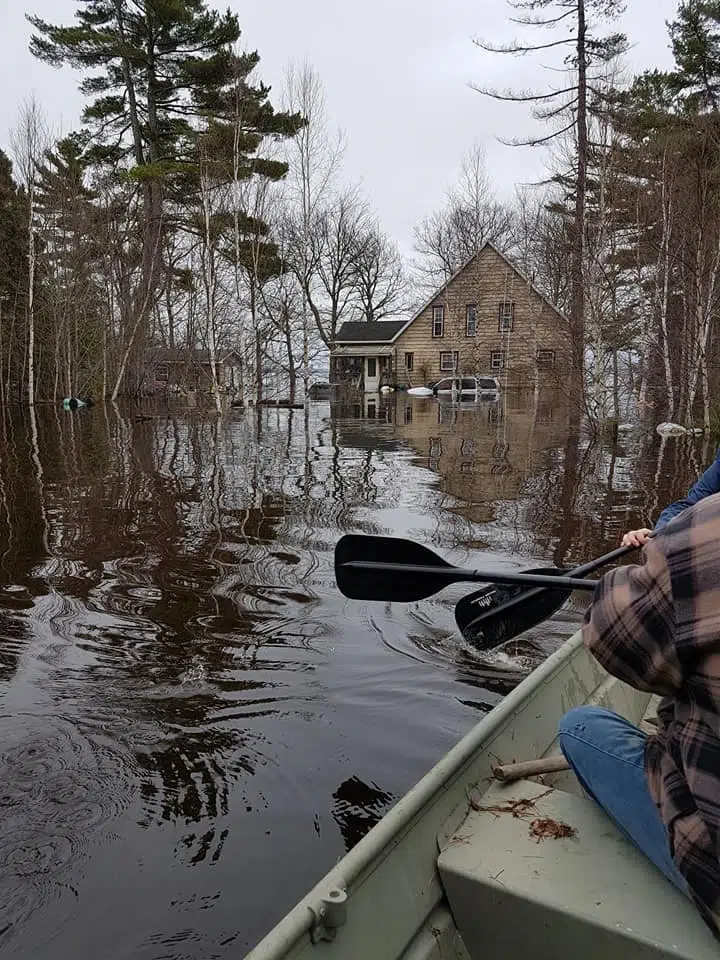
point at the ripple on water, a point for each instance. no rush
(23, 897)
(60, 792)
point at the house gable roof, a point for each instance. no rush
(373, 331)
(387, 331)
(429, 302)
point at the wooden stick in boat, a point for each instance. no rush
(530, 768)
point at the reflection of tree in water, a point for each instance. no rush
(592, 490)
(357, 807)
(188, 781)
(162, 556)
(179, 548)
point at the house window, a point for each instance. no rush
(162, 372)
(497, 360)
(409, 359)
(438, 326)
(470, 319)
(506, 315)
(449, 360)
(371, 367)
(546, 359)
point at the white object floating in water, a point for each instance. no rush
(420, 392)
(671, 430)
(677, 430)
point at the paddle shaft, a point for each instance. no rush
(457, 574)
(576, 572)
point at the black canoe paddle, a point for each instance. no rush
(495, 614)
(391, 568)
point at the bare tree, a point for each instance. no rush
(30, 140)
(314, 156)
(472, 216)
(379, 276)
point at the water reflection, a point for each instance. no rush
(358, 806)
(182, 688)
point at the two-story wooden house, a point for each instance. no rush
(487, 320)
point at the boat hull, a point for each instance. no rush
(395, 905)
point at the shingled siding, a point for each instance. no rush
(488, 281)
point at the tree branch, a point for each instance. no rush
(537, 22)
(519, 49)
(540, 140)
(521, 97)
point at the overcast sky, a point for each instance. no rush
(396, 75)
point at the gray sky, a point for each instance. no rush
(396, 75)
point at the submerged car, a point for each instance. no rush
(466, 388)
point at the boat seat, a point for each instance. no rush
(538, 872)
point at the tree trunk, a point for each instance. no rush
(31, 297)
(577, 298)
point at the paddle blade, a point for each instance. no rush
(358, 584)
(482, 627)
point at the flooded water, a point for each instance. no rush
(194, 723)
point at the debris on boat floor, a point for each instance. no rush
(548, 829)
(541, 828)
(518, 808)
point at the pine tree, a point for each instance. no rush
(568, 105)
(670, 122)
(13, 240)
(68, 225)
(158, 67)
(695, 41)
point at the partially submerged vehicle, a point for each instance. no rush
(466, 388)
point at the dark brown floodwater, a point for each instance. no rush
(194, 723)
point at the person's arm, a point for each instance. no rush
(706, 486)
(629, 627)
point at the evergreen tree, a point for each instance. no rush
(671, 160)
(158, 68)
(567, 106)
(695, 39)
(68, 229)
(13, 241)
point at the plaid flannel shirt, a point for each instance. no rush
(656, 625)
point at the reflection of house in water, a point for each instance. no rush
(351, 429)
(484, 452)
(365, 407)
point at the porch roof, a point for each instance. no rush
(363, 350)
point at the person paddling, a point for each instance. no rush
(706, 486)
(656, 626)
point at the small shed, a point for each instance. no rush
(179, 369)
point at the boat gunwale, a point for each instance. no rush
(393, 826)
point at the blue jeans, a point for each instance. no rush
(606, 752)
